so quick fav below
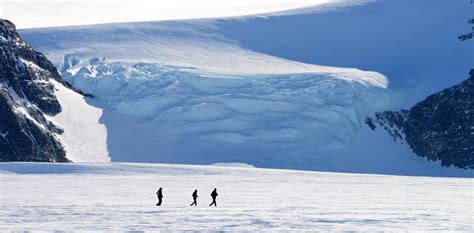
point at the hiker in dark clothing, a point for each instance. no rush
(214, 196)
(159, 194)
(195, 196)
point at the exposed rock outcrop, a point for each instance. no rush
(441, 127)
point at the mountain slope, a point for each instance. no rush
(28, 103)
(26, 97)
(439, 128)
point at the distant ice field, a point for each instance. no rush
(121, 197)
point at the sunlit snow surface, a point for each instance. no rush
(121, 197)
(84, 138)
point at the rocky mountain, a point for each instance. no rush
(27, 99)
(441, 127)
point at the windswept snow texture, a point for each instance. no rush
(248, 90)
(121, 197)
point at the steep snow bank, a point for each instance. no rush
(84, 138)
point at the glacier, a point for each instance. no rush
(204, 115)
(248, 89)
(203, 99)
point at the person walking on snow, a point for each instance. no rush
(159, 194)
(195, 196)
(214, 196)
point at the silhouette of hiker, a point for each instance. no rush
(195, 196)
(214, 196)
(159, 194)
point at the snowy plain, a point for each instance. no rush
(264, 91)
(121, 197)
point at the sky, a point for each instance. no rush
(47, 13)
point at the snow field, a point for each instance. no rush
(90, 197)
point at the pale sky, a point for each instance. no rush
(47, 13)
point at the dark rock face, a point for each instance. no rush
(26, 96)
(439, 128)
